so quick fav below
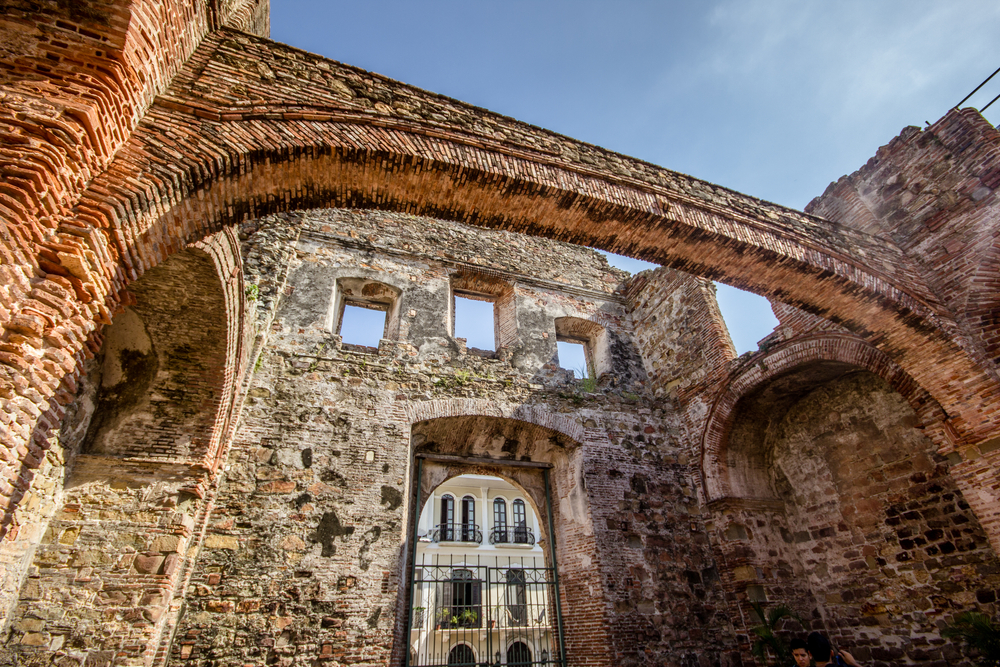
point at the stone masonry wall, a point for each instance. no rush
(856, 523)
(304, 555)
(102, 579)
(888, 545)
(135, 129)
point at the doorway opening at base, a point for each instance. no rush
(484, 593)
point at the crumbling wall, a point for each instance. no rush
(888, 546)
(305, 552)
(841, 508)
(132, 469)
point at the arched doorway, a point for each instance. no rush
(492, 595)
(518, 655)
(461, 656)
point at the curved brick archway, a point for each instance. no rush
(478, 407)
(201, 161)
(157, 154)
(154, 414)
(783, 360)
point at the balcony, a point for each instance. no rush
(517, 535)
(468, 533)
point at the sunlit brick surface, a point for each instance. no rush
(179, 196)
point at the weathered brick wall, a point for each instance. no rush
(826, 494)
(886, 542)
(114, 182)
(130, 134)
(680, 330)
(148, 414)
(216, 154)
(76, 78)
(162, 382)
(932, 192)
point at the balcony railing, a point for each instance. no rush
(457, 532)
(517, 535)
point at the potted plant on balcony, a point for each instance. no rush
(468, 618)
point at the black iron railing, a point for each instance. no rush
(512, 536)
(457, 532)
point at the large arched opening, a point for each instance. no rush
(135, 455)
(542, 466)
(827, 495)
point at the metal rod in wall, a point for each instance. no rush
(413, 566)
(555, 569)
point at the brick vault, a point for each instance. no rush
(198, 469)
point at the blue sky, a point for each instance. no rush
(774, 98)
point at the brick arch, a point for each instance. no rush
(781, 360)
(483, 407)
(200, 162)
(224, 250)
(982, 308)
(192, 310)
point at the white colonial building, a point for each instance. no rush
(483, 590)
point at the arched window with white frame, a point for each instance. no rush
(447, 523)
(520, 521)
(499, 533)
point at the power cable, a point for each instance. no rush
(977, 88)
(988, 105)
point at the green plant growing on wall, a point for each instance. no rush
(768, 642)
(588, 382)
(462, 376)
(252, 292)
(980, 635)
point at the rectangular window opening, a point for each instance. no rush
(363, 324)
(573, 356)
(475, 321)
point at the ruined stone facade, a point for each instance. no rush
(198, 470)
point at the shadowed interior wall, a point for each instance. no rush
(104, 575)
(850, 516)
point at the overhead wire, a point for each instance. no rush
(977, 90)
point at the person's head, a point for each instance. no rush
(819, 647)
(800, 652)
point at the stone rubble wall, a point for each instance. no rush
(138, 135)
(304, 556)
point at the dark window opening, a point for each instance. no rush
(461, 656)
(464, 600)
(518, 655)
(447, 518)
(520, 522)
(499, 520)
(468, 519)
